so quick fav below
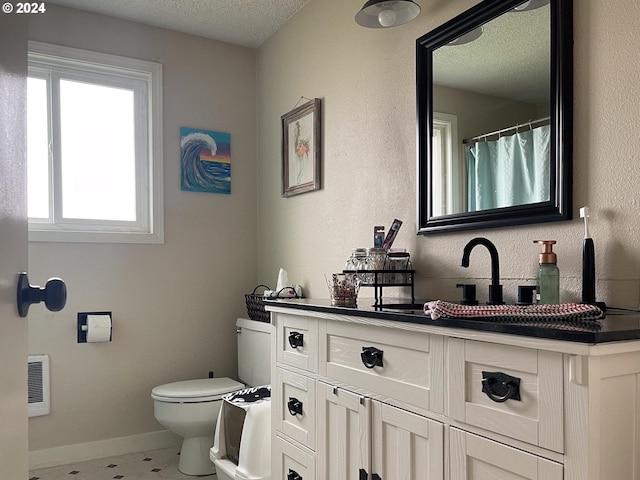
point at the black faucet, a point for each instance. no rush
(495, 289)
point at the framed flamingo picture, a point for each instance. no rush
(301, 149)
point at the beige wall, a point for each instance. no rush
(366, 80)
(478, 114)
(174, 305)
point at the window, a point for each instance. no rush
(447, 172)
(94, 147)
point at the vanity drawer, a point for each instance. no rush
(295, 416)
(297, 341)
(387, 362)
(513, 391)
(291, 462)
(476, 458)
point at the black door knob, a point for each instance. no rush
(54, 294)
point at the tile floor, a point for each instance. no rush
(155, 465)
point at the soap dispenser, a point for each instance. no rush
(548, 274)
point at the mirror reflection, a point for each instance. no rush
(494, 97)
(491, 114)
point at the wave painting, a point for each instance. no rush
(205, 159)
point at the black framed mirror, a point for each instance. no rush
(497, 78)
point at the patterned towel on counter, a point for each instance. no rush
(565, 315)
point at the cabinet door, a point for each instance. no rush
(405, 445)
(343, 425)
(476, 458)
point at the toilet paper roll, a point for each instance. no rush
(98, 328)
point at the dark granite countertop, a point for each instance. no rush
(618, 325)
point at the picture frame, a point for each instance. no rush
(301, 151)
(205, 161)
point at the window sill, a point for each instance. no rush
(95, 237)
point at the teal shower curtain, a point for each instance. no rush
(513, 170)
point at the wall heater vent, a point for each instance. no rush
(39, 391)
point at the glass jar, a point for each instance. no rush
(357, 260)
(362, 263)
(377, 258)
(398, 261)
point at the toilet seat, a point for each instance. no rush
(194, 391)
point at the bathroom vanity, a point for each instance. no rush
(363, 393)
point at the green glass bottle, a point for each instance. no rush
(548, 274)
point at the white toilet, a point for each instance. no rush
(190, 408)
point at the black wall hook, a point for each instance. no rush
(54, 294)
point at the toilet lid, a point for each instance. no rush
(200, 390)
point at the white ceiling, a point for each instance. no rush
(509, 60)
(242, 22)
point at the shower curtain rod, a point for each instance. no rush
(497, 132)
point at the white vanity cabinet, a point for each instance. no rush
(357, 397)
(346, 398)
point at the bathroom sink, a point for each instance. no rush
(403, 307)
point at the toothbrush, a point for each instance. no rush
(588, 262)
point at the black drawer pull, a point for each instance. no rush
(296, 339)
(365, 476)
(371, 357)
(293, 475)
(500, 387)
(295, 406)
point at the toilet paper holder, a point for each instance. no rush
(83, 327)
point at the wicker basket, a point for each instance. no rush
(255, 305)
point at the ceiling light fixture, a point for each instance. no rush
(531, 5)
(467, 37)
(387, 13)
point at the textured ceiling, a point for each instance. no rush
(511, 57)
(509, 60)
(242, 22)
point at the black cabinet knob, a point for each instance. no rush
(293, 475)
(500, 387)
(296, 339)
(372, 357)
(295, 406)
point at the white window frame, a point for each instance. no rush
(448, 180)
(145, 79)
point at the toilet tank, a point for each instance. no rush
(254, 352)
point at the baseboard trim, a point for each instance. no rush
(52, 457)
